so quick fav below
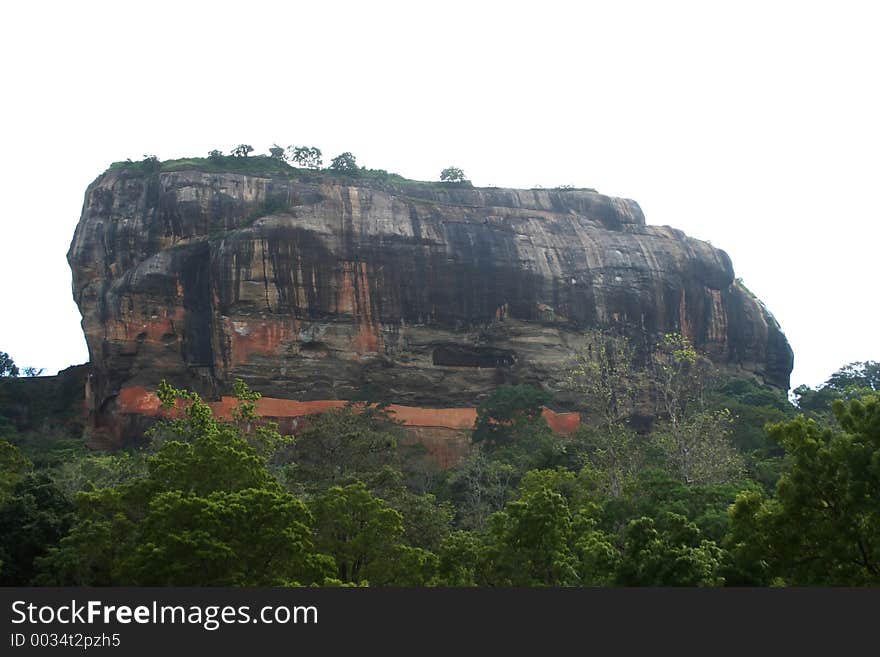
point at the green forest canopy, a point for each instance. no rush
(215, 502)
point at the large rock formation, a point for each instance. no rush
(312, 288)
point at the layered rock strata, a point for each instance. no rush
(317, 289)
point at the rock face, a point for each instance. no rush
(313, 288)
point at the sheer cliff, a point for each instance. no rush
(315, 288)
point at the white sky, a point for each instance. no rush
(751, 124)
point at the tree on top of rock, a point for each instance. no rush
(307, 156)
(277, 153)
(452, 174)
(344, 163)
(242, 150)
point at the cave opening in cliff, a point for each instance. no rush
(466, 356)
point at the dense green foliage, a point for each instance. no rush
(822, 527)
(206, 512)
(511, 414)
(852, 381)
(36, 516)
(235, 503)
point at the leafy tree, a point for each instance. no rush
(753, 406)
(7, 365)
(598, 558)
(344, 163)
(547, 537)
(851, 381)
(511, 428)
(863, 376)
(530, 542)
(276, 152)
(680, 376)
(211, 462)
(90, 471)
(193, 518)
(698, 448)
(14, 466)
(425, 521)
(102, 539)
(513, 437)
(749, 392)
(616, 453)
(656, 492)
(581, 490)
(50, 444)
(251, 537)
(693, 436)
(415, 567)
(193, 425)
(605, 375)
(510, 413)
(364, 535)
(750, 558)
(32, 371)
(461, 559)
(478, 487)
(34, 518)
(308, 156)
(150, 164)
(452, 174)
(815, 400)
(344, 446)
(215, 155)
(558, 480)
(822, 526)
(262, 435)
(669, 552)
(242, 150)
